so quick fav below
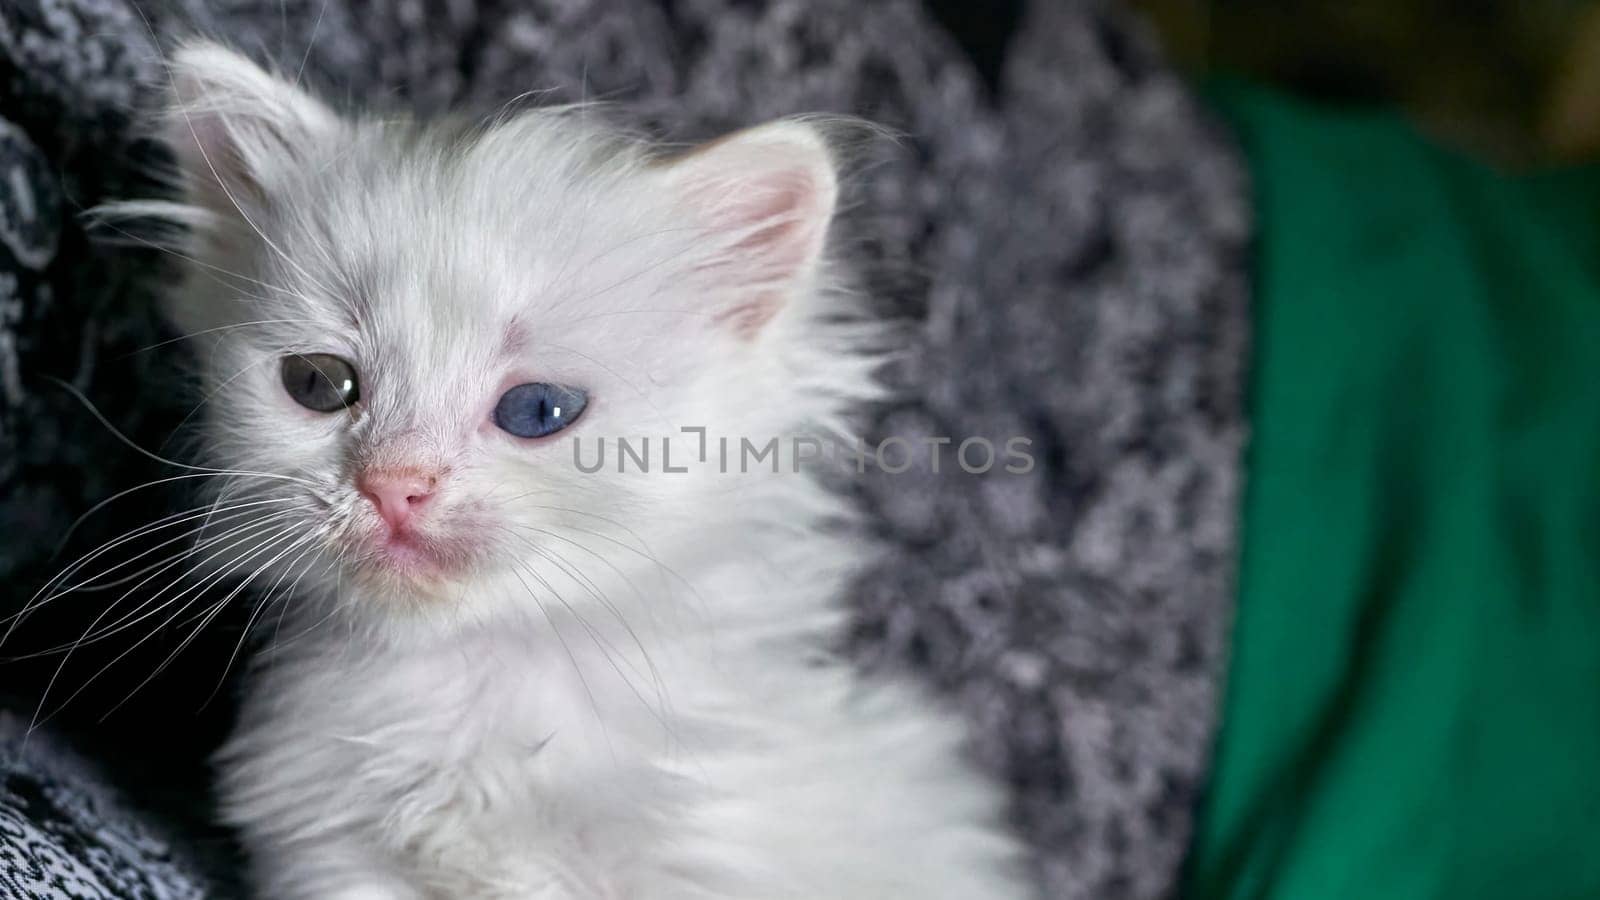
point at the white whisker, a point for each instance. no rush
(240, 535)
(142, 451)
(196, 591)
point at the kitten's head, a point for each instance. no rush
(405, 328)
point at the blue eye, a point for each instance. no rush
(537, 409)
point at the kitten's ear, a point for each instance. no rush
(235, 128)
(764, 198)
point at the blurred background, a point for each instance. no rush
(1515, 80)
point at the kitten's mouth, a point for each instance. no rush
(413, 556)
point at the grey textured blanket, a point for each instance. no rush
(1068, 238)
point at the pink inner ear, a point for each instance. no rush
(772, 226)
(209, 153)
(775, 221)
(763, 199)
(747, 319)
(231, 124)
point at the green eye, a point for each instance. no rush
(320, 381)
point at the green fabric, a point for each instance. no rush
(1413, 707)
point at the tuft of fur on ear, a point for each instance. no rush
(237, 129)
(764, 198)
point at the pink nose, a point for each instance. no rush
(397, 493)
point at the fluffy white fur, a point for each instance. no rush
(623, 688)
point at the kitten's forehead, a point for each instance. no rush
(477, 229)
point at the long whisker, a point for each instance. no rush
(277, 634)
(38, 712)
(594, 703)
(643, 550)
(205, 331)
(214, 610)
(211, 395)
(249, 531)
(576, 574)
(142, 451)
(227, 192)
(78, 522)
(77, 565)
(52, 590)
(310, 43)
(99, 216)
(271, 596)
(94, 583)
(607, 649)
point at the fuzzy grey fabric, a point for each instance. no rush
(1069, 244)
(64, 835)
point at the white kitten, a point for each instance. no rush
(498, 675)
